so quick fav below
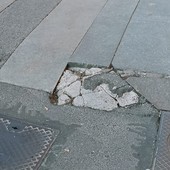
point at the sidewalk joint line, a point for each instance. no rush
(88, 29)
(124, 32)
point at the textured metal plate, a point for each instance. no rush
(162, 161)
(23, 145)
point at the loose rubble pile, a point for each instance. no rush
(71, 89)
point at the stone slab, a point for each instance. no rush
(156, 90)
(5, 3)
(40, 60)
(162, 160)
(145, 45)
(88, 139)
(100, 42)
(153, 10)
(17, 22)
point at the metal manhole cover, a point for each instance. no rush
(23, 145)
(162, 161)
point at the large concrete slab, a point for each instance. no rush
(156, 90)
(100, 43)
(123, 139)
(18, 20)
(5, 3)
(145, 45)
(39, 61)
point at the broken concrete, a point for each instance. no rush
(63, 99)
(67, 78)
(128, 98)
(97, 99)
(73, 90)
(95, 88)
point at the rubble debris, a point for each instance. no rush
(68, 78)
(128, 98)
(63, 99)
(71, 90)
(97, 99)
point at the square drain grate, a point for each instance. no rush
(162, 161)
(22, 145)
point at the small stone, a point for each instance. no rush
(46, 108)
(67, 78)
(63, 99)
(128, 98)
(73, 90)
(114, 88)
(66, 150)
(92, 71)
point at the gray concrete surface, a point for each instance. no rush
(100, 43)
(145, 45)
(18, 20)
(161, 161)
(123, 139)
(5, 3)
(42, 57)
(155, 90)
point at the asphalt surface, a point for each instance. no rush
(88, 139)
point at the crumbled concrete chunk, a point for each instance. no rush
(78, 101)
(85, 91)
(97, 99)
(63, 99)
(77, 69)
(73, 90)
(128, 98)
(92, 71)
(67, 78)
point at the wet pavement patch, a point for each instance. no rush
(22, 145)
(162, 160)
(95, 88)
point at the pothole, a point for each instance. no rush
(95, 88)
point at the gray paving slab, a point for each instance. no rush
(5, 3)
(153, 10)
(162, 159)
(156, 90)
(18, 20)
(40, 60)
(100, 42)
(123, 139)
(145, 45)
